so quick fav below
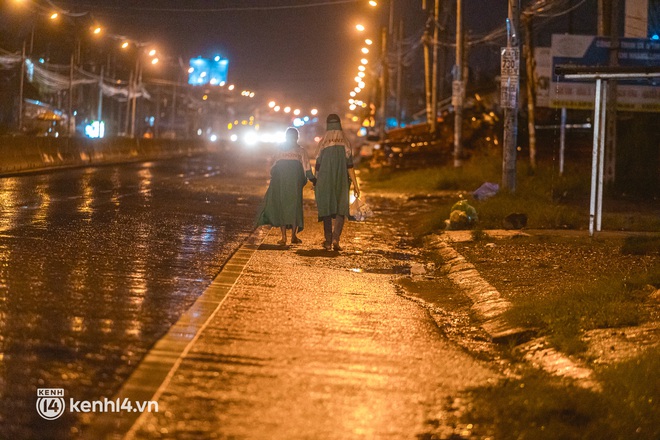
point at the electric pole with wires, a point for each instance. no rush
(510, 81)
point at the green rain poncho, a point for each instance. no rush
(333, 182)
(283, 203)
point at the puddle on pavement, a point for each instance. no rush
(394, 270)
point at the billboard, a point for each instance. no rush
(208, 71)
(588, 50)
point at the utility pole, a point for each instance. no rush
(99, 110)
(458, 87)
(399, 73)
(427, 69)
(21, 90)
(608, 26)
(71, 129)
(383, 81)
(129, 102)
(509, 84)
(434, 75)
(531, 89)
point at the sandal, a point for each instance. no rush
(336, 246)
(282, 242)
(296, 240)
(327, 246)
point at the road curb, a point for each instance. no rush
(487, 302)
(158, 366)
(488, 305)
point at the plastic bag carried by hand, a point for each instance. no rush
(359, 210)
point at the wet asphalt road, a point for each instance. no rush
(97, 263)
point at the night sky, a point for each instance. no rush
(302, 51)
(303, 54)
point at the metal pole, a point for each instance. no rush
(457, 90)
(427, 77)
(21, 91)
(594, 154)
(383, 80)
(99, 110)
(562, 141)
(157, 119)
(434, 71)
(601, 156)
(137, 79)
(399, 72)
(511, 109)
(129, 102)
(71, 131)
(531, 89)
(32, 39)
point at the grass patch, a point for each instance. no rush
(641, 246)
(607, 303)
(541, 407)
(549, 200)
(467, 178)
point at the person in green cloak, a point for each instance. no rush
(334, 173)
(283, 202)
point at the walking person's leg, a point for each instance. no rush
(336, 234)
(327, 232)
(294, 236)
(282, 242)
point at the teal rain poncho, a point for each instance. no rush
(283, 203)
(333, 182)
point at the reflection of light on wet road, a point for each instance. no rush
(77, 323)
(86, 194)
(145, 182)
(8, 201)
(96, 264)
(42, 191)
(115, 178)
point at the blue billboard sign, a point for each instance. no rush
(208, 71)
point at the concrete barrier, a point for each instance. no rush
(20, 154)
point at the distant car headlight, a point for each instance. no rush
(251, 138)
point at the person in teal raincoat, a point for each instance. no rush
(283, 202)
(334, 174)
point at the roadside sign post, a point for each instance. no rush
(601, 75)
(509, 84)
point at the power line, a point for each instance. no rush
(225, 9)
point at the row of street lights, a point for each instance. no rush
(357, 99)
(144, 55)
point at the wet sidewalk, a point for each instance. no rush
(296, 342)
